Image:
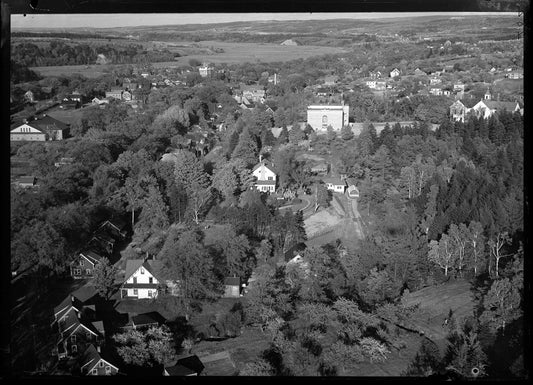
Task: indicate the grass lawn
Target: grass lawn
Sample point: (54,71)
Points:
(242,349)
(396,364)
(435,303)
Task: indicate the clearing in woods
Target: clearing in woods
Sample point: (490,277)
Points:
(435,302)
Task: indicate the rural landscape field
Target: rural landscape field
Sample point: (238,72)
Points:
(316,197)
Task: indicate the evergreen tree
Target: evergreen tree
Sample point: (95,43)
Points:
(246,149)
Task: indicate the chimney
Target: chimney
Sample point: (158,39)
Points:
(98,349)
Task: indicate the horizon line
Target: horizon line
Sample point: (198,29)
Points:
(124,20)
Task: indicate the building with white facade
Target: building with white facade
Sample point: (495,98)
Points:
(205,70)
(266,177)
(142,280)
(319,117)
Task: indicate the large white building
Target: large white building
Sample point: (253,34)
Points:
(321,116)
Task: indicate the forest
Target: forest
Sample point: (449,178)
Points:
(58,53)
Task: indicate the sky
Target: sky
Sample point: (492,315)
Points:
(130,20)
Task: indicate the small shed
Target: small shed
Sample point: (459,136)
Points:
(26,181)
(232,287)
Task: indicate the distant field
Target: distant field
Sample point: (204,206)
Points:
(233,53)
(90,71)
(253,52)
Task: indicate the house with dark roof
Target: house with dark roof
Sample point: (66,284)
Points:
(232,287)
(114,227)
(266,177)
(102,243)
(82,267)
(146,320)
(94,364)
(75,334)
(76,322)
(40,129)
(187,366)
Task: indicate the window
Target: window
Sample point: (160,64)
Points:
(88,271)
(150,280)
(77,272)
(270,178)
(88,335)
(81,262)
(150,293)
(73,338)
(101,363)
(74,348)
(135,292)
(108,369)
(142,270)
(134,279)
(94,372)
(324,119)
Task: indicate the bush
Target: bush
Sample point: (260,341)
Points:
(194,62)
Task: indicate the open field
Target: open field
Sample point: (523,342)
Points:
(435,303)
(251,52)
(320,221)
(89,71)
(69,116)
(233,53)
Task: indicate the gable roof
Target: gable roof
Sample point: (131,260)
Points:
(91,357)
(47,123)
(264,163)
(132,265)
(232,281)
(148,318)
(496,105)
(91,256)
(179,370)
(334,180)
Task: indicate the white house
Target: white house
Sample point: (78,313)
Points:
(335,184)
(487,108)
(266,177)
(141,279)
(205,70)
(395,72)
